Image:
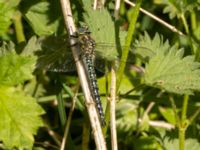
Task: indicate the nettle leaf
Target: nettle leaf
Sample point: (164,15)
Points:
(20,119)
(168,70)
(7,48)
(15,69)
(43,16)
(103,31)
(146,47)
(126,113)
(190,144)
(7,9)
(176,8)
(31,47)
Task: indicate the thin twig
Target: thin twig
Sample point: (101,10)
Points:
(112,108)
(172,28)
(149,107)
(63,145)
(54,136)
(48,145)
(175,110)
(117,6)
(83,76)
(196,113)
(160,124)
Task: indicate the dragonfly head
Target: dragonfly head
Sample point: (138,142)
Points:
(84,30)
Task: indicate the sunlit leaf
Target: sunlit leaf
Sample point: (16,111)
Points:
(176,8)
(167,69)
(168,114)
(7,48)
(190,144)
(173,73)
(15,68)
(7,9)
(126,113)
(20,119)
(146,47)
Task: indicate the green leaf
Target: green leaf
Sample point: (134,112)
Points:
(168,70)
(146,47)
(20,119)
(168,114)
(15,68)
(103,32)
(32,46)
(190,144)
(126,113)
(7,9)
(147,143)
(43,16)
(176,8)
(7,48)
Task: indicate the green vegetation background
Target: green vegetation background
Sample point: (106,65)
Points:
(35,102)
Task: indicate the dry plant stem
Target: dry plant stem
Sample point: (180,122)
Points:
(54,136)
(46,144)
(112,109)
(69,121)
(172,28)
(95,4)
(160,124)
(83,76)
(98,4)
(150,106)
(117,6)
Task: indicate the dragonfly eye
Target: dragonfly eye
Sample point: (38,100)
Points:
(84,30)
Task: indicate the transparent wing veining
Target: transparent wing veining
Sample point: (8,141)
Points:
(56,55)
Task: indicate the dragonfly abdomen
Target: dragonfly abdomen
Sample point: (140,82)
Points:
(94,87)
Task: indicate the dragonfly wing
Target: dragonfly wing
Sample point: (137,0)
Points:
(108,52)
(56,62)
(55,56)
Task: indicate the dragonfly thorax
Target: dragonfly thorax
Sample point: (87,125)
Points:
(87,44)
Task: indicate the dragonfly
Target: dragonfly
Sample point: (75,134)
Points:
(63,62)
(57,57)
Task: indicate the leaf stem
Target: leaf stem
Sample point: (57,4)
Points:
(129,38)
(184,108)
(185,23)
(196,113)
(19,27)
(61,109)
(67,126)
(181,138)
(174,109)
(183,123)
